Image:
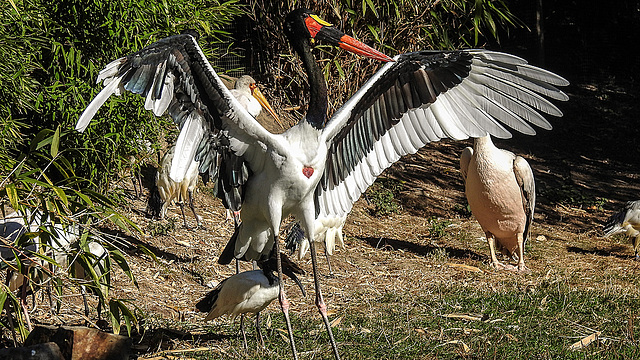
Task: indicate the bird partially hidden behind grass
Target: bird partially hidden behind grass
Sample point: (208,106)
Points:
(249,292)
(500,190)
(57,247)
(626,221)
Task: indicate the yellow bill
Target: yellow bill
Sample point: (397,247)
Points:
(265,104)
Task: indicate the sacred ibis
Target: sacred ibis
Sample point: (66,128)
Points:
(248,292)
(627,221)
(501,192)
(320,167)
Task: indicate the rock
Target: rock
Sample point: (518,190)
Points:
(44,351)
(82,343)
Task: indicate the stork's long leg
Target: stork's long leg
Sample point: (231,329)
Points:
(322,307)
(244,335)
(184,218)
(193,208)
(284,302)
(326,254)
(259,338)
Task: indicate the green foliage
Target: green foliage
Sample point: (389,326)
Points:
(162,227)
(53,191)
(437,227)
(56,49)
(512,324)
(394,27)
(570,195)
(50,56)
(382,196)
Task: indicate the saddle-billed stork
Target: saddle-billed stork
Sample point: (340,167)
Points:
(318,168)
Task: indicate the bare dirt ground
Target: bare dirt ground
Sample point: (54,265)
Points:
(585,169)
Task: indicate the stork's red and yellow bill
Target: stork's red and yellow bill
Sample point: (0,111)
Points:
(322,30)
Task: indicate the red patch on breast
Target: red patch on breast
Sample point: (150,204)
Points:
(307,171)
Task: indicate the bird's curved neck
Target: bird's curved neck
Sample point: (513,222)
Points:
(483,142)
(317,112)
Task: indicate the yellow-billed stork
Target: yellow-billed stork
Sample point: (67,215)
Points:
(320,167)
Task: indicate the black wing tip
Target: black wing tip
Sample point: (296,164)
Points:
(294,237)
(208,301)
(191,32)
(228,253)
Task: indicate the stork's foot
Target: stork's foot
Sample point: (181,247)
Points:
(522,269)
(500,266)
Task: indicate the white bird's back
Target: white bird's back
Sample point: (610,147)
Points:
(246,292)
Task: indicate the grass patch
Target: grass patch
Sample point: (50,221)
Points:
(570,195)
(162,227)
(382,195)
(540,323)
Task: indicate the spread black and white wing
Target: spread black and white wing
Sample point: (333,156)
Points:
(423,97)
(175,77)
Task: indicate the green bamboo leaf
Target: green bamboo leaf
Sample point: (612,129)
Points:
(114,315)
(4,291)
(148,252)
(375,32)
(117,256)
(61,195)
(12,194)
(41,139)
(337,63)
(13,4)
(127,315)
(46,258)
(372,7)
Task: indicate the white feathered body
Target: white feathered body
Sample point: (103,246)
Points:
(246,292)
(281,189)
(626,221)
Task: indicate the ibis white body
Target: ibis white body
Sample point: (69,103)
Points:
(243,293)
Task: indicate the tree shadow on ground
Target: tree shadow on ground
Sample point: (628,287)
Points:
(388,244)
(614,251)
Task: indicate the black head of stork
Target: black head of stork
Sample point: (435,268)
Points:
(302,28)
(317,169)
